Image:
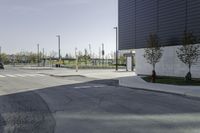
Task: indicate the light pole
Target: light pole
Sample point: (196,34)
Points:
(99,56)
(116,28)
(103,53)
(38,50)
(43,57)
(43,53)
(0,55)
(76,56)
(59,47)
(90,50)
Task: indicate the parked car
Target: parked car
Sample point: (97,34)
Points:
(1,65)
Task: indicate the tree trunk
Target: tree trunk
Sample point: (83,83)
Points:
(153,76)
(154,66)
(188,77)
(189,68)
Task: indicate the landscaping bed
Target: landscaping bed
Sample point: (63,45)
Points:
(173,80)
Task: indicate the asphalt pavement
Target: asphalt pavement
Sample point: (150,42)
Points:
(32,103)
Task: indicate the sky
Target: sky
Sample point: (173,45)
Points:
(26,23)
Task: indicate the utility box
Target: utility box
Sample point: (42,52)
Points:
(129,65)
(130,61)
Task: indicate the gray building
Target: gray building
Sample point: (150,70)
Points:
(169,19)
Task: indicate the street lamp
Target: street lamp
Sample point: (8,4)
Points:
(0,55)
(76,56)
(38,50)
(43,57)
(103,53)
(59,47)
(116,28)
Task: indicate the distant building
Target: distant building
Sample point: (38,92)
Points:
(169,19)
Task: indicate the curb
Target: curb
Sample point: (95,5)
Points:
(183,91)
(144,89)
(185,94)
(53,75)
(67,76)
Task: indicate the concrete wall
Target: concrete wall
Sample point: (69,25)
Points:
(169,65)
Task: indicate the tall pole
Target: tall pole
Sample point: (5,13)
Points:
(43,57)
(76,56)
(116,28)
(0,55)
(99,56)
(43,53)
(59,56)
(38,50)
(90,50)
(103,53)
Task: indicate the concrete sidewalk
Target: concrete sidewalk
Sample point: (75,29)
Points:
(94,73)
(137,82)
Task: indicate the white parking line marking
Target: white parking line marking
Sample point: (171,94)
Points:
(82,87)
(99,86)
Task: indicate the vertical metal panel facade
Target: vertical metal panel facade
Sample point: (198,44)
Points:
(146,17)
(126,24)
(193,19)
(171,15)
(167,18)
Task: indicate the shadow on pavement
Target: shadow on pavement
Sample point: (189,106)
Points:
(25,113)
(97,106)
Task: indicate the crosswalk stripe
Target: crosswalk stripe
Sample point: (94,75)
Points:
(21,75)
(1,76)
(9,75)
(30,75)
(40,75)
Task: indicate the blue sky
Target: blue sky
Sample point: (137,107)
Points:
(24,23)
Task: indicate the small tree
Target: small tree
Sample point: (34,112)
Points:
(85,58)
(122,59)
(188,53)
(4,58)
(153,53)
(53,54)
(32,57)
